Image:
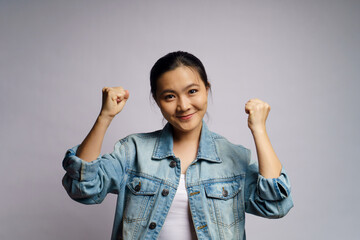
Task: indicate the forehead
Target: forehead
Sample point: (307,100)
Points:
(179,78)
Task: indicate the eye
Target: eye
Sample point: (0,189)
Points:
(192,91)
(169,97)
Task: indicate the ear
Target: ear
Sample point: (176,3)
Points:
(155,99)
(208,88)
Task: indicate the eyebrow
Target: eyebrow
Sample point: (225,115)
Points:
(172,91)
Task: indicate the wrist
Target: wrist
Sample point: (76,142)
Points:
(104,119)
(258,131)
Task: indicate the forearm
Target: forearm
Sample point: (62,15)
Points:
(90,148)
(269,163)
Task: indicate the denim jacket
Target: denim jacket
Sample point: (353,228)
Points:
(222,184)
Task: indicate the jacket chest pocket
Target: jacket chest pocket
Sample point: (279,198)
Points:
(141,194)
(225,201)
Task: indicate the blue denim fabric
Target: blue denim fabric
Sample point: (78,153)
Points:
(222,184)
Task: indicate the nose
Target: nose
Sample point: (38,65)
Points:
(183,104)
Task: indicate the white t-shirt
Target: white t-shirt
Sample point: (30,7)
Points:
(178,224)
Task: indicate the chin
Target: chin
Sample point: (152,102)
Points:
(187,126)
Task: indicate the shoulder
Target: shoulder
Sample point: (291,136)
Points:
(224,141)
(141,137)
(224,146)
(136,143)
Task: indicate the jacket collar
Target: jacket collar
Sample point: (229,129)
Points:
(206,151)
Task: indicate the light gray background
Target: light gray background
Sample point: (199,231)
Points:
(302,57)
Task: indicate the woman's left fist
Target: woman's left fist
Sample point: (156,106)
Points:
(258,112)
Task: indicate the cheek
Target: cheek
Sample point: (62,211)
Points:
(201,102)
(166,109)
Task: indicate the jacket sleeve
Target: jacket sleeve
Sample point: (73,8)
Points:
(264,197)
(90,182)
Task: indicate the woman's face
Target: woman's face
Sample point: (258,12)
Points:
(182,98)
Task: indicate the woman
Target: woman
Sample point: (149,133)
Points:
(184,181)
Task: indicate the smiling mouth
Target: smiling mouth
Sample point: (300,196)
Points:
(185,117)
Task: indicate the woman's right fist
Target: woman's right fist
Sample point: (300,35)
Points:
(113,101)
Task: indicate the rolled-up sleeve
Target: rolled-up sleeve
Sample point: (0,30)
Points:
(90,182)
(274,189)
(267,197)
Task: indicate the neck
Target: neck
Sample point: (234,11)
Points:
(192,136)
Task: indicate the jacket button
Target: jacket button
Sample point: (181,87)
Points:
(137,187)
(225,193)
(172,164)
(152,225)
(165,192)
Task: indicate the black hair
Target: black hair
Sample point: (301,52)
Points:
(172,61)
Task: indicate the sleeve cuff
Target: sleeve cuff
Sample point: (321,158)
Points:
(79,169)
(274,189)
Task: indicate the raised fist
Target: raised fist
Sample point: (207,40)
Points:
(113,101)
(258,112)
